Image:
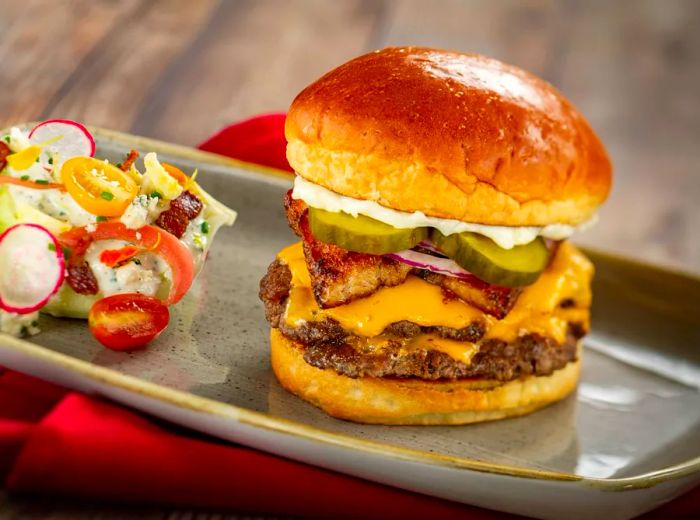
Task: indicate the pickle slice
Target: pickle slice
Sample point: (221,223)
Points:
(362,234)
(482,257)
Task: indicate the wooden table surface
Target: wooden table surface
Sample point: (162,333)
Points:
(179,70)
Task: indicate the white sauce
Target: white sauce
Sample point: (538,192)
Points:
(145,277)
(55,203)
(36,172)
(505,236)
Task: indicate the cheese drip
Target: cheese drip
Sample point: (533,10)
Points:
(537,310)
(458,350)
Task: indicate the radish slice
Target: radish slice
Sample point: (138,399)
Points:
(74,139)
(32,268)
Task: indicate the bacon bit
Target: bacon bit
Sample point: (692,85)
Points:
(173,222)
(115,257)
(131,157)
(187,204)
(4,152)
(182,209)
(81,279)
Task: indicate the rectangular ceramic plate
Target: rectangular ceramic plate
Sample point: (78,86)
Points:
(628,441)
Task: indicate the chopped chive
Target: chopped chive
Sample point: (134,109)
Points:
(156,195)
(7,139)
(41,181)
(24,331)
(205,227)
(37,160)
(35,323)
(50,160)
(119,165)
(24,177)
(101,219)
(66,252)
(106,195)
(137,261)
(52,247)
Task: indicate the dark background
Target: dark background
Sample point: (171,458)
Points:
(180,69)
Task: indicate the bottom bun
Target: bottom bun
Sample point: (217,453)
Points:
(412,401)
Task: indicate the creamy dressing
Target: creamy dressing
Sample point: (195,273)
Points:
(505,236)
(144,274)
(54,203)
(36,172)
(19,324)
(195,239)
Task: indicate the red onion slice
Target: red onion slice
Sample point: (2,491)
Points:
(427,244)
(431,263)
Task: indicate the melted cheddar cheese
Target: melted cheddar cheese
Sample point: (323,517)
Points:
(537,310)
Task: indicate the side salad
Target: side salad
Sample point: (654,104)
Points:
(81,237)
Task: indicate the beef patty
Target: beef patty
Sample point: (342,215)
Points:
(327,345)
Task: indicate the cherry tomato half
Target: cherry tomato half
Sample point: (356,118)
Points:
(100,188)
(128,321)
(165,245)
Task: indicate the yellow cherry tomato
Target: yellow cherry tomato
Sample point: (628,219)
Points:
(100,188)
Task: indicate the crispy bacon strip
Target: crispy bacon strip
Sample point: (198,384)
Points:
(492,299)
(339,276)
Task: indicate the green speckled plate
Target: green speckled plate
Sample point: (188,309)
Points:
(628,441)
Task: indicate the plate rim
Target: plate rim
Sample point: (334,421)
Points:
(270,422)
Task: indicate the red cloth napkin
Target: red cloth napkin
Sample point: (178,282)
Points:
(54,441)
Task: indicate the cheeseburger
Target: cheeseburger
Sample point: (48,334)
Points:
(433,282)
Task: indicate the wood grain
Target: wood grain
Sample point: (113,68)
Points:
(111,85)
(178,70)
(252,57)
(43,44)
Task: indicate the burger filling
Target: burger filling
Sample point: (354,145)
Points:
(372,315)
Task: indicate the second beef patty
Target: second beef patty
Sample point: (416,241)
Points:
(327,345)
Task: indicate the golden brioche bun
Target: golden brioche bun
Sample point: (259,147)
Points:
(395,401)
(453,135)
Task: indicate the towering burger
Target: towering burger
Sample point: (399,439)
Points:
(433,282)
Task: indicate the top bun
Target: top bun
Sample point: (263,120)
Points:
(453,135)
